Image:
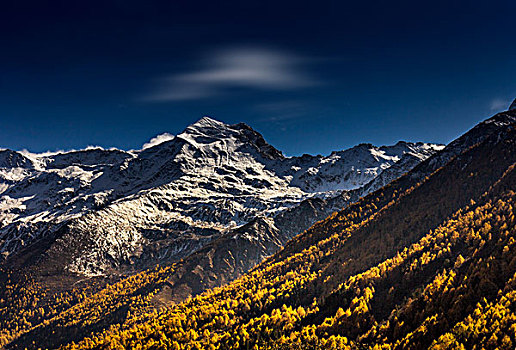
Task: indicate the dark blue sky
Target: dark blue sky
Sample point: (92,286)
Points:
(310,76)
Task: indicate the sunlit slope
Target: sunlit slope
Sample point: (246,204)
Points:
(432,265)
(45,303)
(34,317)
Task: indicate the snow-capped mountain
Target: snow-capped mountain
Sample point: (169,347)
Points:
(230,255)
(101,210)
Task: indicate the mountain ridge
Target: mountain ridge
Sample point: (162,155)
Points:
(423,262)
(343,282)
(207,179)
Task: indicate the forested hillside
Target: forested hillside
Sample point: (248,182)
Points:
(424,262)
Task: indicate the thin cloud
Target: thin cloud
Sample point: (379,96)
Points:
(157,140)
(499,104)
(251,68)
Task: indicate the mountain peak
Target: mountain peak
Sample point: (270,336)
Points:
(207,121)
(207,132)
(513,105)
(206,126)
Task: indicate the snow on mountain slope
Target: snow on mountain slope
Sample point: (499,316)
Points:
(407,161)
(114,208)
(352,168)
(11,159)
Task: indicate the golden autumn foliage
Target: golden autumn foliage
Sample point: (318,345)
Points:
(412,266)
(242,315)
(451,287)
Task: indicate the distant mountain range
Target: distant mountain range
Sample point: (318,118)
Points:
(404,246)
(104,212)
